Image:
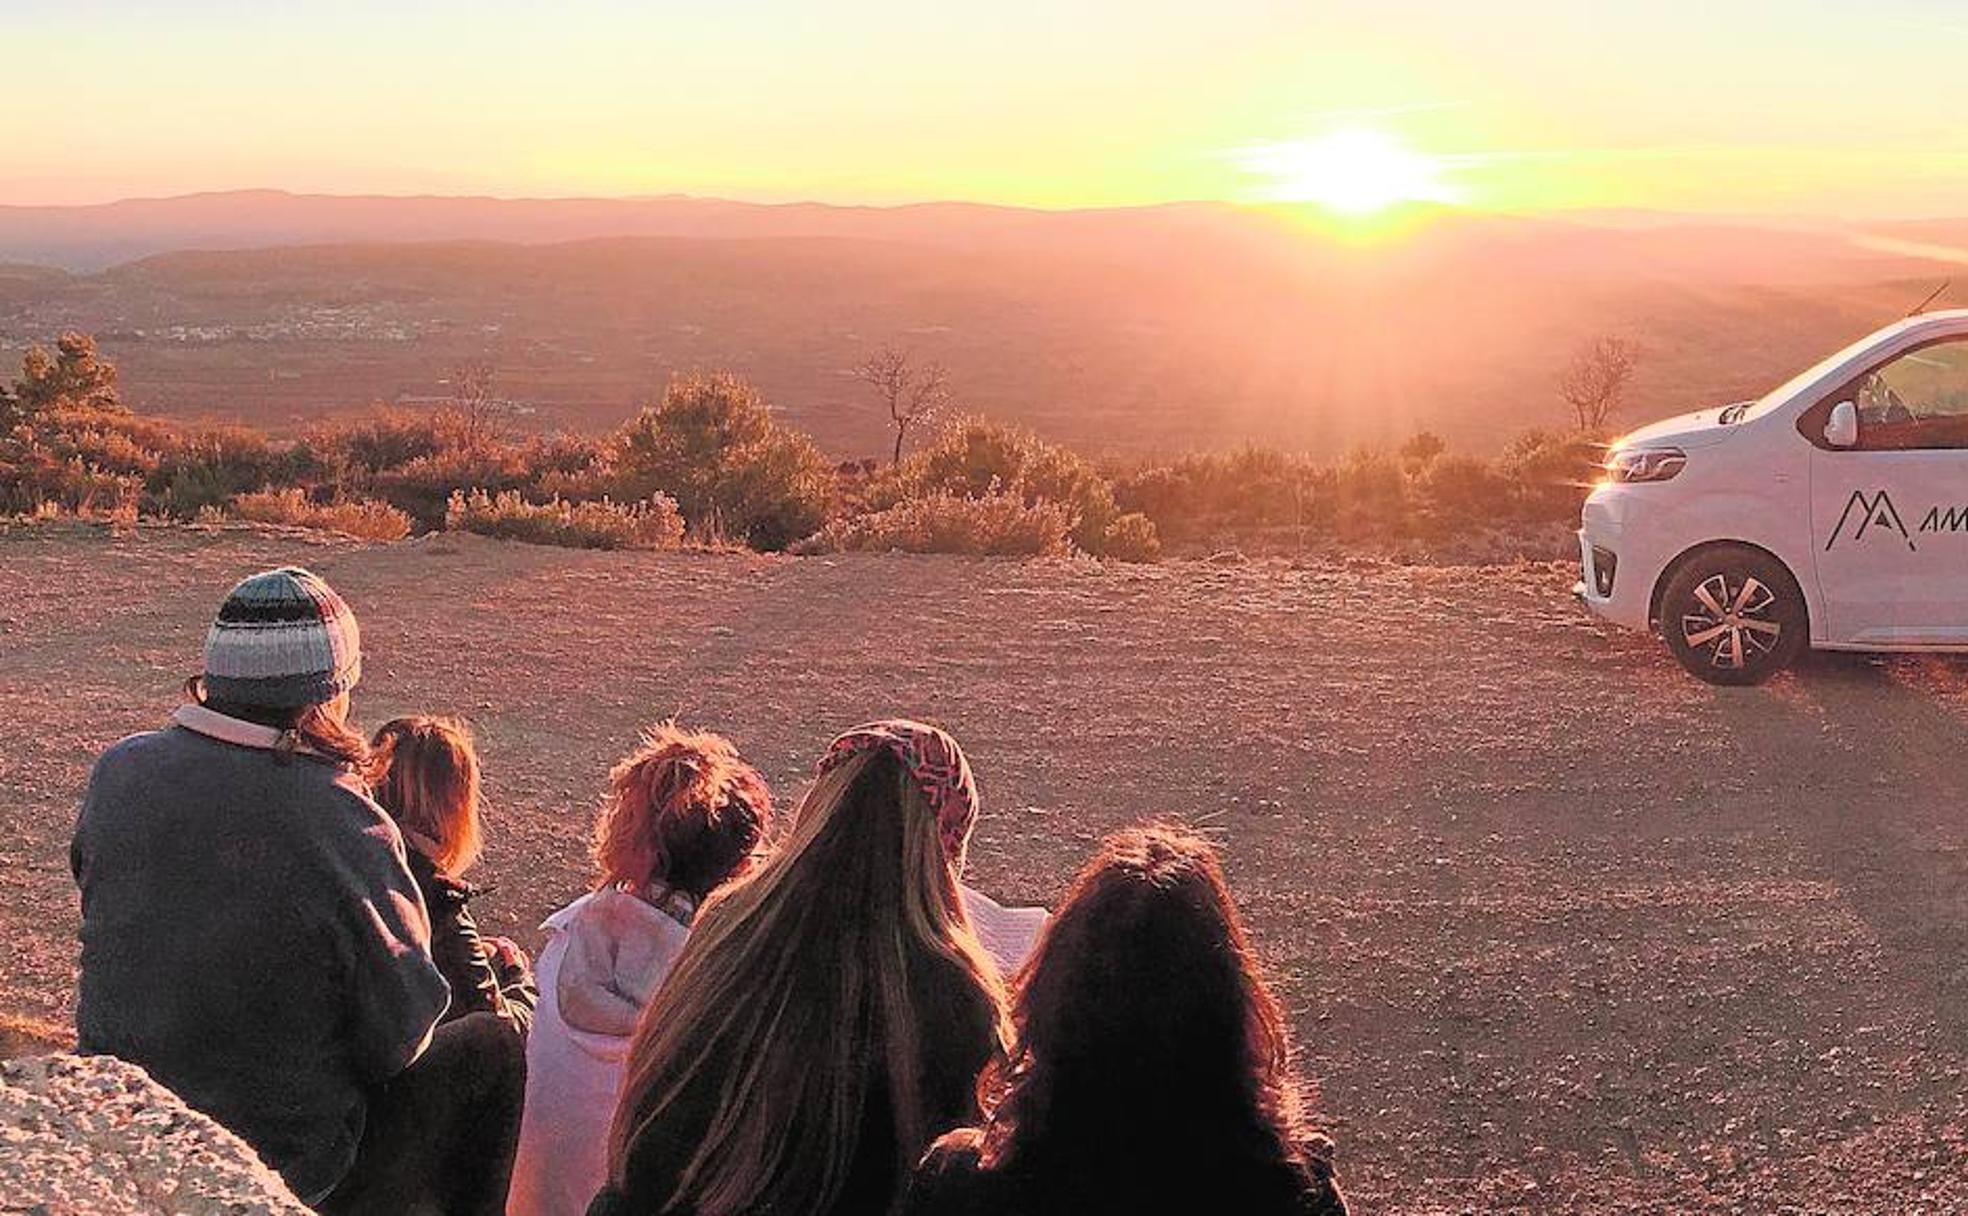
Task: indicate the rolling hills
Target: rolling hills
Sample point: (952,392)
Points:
(1141,330)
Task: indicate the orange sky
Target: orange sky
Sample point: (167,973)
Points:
(1801,107)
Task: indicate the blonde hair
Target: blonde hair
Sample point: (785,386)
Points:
(426,776)
(798,984)
(683,813)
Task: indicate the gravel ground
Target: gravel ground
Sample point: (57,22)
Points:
(1560,929)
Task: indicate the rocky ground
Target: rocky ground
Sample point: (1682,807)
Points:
(97,1137)
(1559,929)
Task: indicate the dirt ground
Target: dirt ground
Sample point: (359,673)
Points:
(1559,929)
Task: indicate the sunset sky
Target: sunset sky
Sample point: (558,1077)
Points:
(1805,106)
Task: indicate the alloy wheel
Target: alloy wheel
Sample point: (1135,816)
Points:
(1731,622)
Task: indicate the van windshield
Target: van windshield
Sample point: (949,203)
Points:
(1804,379)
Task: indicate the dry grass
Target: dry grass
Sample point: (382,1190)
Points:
(990,525)
(360,518)
(650,524)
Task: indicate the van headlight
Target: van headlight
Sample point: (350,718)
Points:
(1645,464)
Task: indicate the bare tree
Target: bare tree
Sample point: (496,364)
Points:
(471,396)
(912,394)
(1595,382)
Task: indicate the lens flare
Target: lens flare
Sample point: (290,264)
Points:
(1354,172)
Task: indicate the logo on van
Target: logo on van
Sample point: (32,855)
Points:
(1873,511)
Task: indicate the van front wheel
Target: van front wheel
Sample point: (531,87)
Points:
(1734,615)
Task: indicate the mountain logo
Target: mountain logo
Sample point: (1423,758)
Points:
(1872,511)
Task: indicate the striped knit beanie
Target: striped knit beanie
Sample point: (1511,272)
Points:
(283,640)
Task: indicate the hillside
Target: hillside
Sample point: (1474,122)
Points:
(1144,330)
(1707,961)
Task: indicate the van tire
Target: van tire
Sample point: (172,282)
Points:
(1733,615)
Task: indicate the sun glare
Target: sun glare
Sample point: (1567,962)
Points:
(1354,172)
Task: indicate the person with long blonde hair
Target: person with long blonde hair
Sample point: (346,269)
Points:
(425,772)
(830,1015)
(684,815)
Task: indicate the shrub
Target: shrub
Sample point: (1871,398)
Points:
(209,468)
(354,517)
(653,523)
(993,525)
(976,458)
(74,375)
(1461,492)
(713,444)
(1132,538)
(1205,495)
(33,477)
(381,439)
(1422,448)
(1371,489)
(423,485)
(1551,473)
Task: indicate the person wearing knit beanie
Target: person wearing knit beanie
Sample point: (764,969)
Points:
(283,639)
(253,937)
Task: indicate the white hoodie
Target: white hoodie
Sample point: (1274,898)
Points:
(605,955)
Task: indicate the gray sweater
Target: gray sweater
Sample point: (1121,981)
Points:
(251,937)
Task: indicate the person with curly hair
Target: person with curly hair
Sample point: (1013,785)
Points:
(684,815)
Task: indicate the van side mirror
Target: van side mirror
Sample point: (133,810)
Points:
(1842,428)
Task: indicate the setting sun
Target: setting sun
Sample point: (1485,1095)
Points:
(1355,172)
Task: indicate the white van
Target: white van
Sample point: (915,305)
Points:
(1831,513)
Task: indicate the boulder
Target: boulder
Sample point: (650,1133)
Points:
(93,1135)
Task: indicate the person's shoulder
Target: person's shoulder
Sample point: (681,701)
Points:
(135,749)
(333,815)
(340,792)
(434,881)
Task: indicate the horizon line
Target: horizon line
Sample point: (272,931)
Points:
(283,192)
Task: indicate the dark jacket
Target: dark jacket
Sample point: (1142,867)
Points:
(953,1181)
(479,982)
(251,936)
(951,1065)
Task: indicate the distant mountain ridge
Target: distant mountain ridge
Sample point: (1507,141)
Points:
(1137,329)
(97,236)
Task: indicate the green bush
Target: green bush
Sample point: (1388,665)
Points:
(34,477)
(712,458)
(713,445)
(1205,496)
(976,458)
(1371,493)
(1132,538)
(208,468)
(423,485)
(653,523)
(353,517)
(1552,472)
(991,525)
(1461,493)
(375,441)
(75,375)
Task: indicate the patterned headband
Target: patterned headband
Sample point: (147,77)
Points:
(933,759)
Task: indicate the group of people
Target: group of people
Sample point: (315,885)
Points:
(740,1016)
